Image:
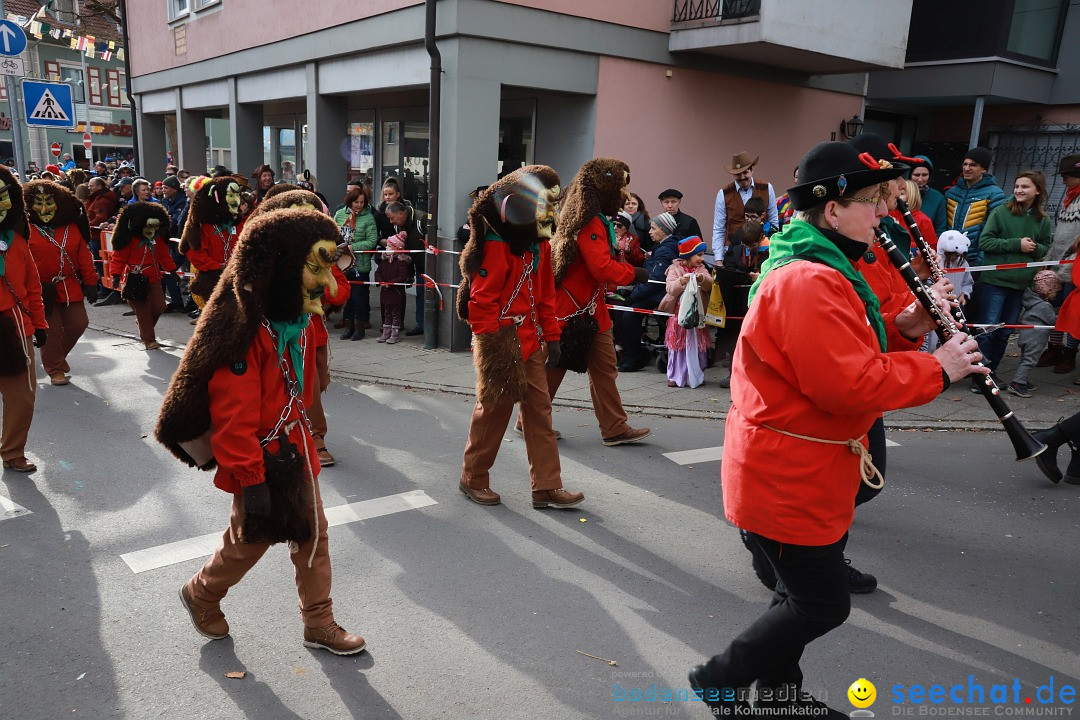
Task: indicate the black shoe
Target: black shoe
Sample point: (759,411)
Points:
(415,331)
(725,382)
(1052,438)
(631,364)
(859,583)
(190,307)
(976,383)
(358,334)
(348,334)
(194,313)
(713,691)
(113,298)
(174,308)
(129,313)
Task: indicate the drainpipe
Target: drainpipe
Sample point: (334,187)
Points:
(127,74)
(431,308)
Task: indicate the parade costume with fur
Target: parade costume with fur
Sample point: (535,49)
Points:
(140,255)
(508,299)
(241,393)
(60,243)
(584,255)
(22,317)
(210,233)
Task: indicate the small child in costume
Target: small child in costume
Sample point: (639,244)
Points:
(686,346)
(1036,309)
(395,266)
(952,247)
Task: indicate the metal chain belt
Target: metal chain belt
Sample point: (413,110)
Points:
(291,384)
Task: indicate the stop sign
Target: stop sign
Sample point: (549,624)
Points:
(55,148)
(87,141)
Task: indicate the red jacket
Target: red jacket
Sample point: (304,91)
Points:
(491,288)
(51,263)
(893,294)
(318,322)
(1069,315)
(21,272)
(814,369)
(100,207)
(216,247)
(924,223)
(593,270)
(246,400)
(137,257)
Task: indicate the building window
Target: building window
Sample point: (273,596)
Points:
(112,88)
(74,76)
(95,85)
(1035,28)
(179,8)
(62,10)
(200,4)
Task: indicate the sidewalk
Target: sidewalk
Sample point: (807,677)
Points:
(408,365)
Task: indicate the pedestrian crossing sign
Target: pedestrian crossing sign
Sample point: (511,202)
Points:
(48,104)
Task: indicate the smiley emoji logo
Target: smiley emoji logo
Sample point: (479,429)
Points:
(862,693)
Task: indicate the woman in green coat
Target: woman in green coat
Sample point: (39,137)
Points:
(1017,231)
(357,225)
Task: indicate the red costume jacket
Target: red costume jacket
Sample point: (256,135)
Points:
(815,369)
(318,322)
(246,400)
(76,266)
(924,223)
(893,294)
(593,270)
(1069,315)
(216,247)
(100,207)
(491,288)
(22,273)
(137,257)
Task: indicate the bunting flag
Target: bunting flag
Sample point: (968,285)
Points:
(56,33)
(80,43)
(90,51)
(35,29)
(107,55)
(67,32)
(112,45)
(120,54)
(74,43)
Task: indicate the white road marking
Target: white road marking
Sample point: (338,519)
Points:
(709,454)
(689,457)
(9,509)
(196,547)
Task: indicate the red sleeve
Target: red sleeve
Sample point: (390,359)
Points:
(162,255)
(545,305)
(87,272)
(344,289)
(118,260)
(486,288)
(595,249)
(926,227)
(235,406)
(32,282)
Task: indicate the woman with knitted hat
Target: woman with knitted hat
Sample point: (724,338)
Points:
(686,346)
(809,378)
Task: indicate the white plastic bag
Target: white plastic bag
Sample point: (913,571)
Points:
(690,315)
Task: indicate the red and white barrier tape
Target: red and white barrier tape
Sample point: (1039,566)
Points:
(1012,266)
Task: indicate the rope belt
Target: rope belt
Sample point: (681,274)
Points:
(867,471)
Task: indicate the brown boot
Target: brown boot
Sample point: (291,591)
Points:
(480,496)
(365,324)
(325,458)
(1067,363)
(1050,357)
(342,323)
(334,638)
(557,498)
(208,621)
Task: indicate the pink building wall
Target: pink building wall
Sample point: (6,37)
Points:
(239,25)
(646,14)
(680,131)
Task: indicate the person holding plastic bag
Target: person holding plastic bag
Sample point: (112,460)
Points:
(688,288)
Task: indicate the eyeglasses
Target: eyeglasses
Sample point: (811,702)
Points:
(872,200)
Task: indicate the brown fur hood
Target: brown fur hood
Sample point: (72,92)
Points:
(207,206)
(599,188)
(132,220)
(16,217)
(262,280)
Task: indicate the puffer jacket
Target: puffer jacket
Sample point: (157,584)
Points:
(967,209)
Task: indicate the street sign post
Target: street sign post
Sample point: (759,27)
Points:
(48,104)
(88,142)
(12,66)
(55,149)
(12,38)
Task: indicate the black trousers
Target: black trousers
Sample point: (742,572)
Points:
(811,599)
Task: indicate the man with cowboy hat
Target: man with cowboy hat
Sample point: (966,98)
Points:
(728,214)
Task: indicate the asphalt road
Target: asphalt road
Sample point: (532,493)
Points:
(474,612)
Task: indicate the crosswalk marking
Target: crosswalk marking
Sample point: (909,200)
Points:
(171,553)
(709,454)
(9,509)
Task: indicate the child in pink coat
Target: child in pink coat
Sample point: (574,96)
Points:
(686,346)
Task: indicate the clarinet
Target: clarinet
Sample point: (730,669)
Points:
(930,257)
(1024,443)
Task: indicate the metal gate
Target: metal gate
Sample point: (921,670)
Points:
(1033,147)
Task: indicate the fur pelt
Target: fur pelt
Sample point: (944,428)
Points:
(207,206)
(287,199)
(263,279)
(277,189)
(16,217)
(290,515)
(500,369)
(68,208)
(132,220)
(599,188)
(513,196)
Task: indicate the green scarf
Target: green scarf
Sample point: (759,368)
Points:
(610,226)
(6,237)
(288,334)
(534,248)
(802,239)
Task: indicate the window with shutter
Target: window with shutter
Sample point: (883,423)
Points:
(52,71)
(112,87)
(95,85)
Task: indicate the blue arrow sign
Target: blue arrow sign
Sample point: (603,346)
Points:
(48,104)
(12,38)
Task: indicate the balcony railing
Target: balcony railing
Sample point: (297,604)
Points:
(689,10)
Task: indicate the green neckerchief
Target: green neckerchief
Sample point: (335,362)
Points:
(534,248)
(6,237)
(288,334)
(802,239)
(225,228)
(610,226)
(143,242)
